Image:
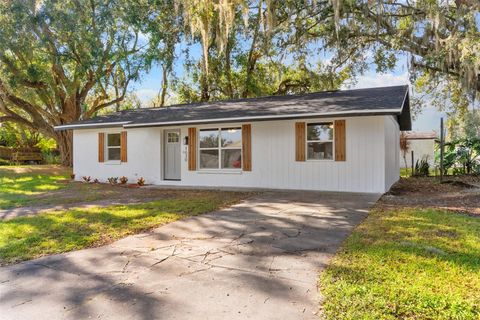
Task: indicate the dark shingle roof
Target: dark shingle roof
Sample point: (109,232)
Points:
(373,101)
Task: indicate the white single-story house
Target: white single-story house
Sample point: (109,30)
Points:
(423,146)
(333,141)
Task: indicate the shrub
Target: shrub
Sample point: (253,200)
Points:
(72,176)
(462,155)
(123,180)
(96,181)
(86,179)
(113,180)
(4,162)
(141,181)
(51,157)
(422,167)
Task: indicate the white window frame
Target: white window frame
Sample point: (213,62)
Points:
(107,147)
(219,148)
(332,141)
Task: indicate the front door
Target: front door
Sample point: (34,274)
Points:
(172,155)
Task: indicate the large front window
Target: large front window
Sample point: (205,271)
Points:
(113,146)
(220,148)
(320,141)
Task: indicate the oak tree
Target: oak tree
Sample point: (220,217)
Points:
(61,61)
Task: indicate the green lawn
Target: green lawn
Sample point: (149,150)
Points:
(406,264)
(54,232)
(19,188)
(407,172)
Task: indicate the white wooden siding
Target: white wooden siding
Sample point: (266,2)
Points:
(273,159)
(392,152)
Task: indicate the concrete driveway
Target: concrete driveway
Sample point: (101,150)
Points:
(256,260)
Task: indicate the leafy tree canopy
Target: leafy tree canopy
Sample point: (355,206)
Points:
(61,61)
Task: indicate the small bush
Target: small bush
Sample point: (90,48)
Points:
(51,157)
(96,181)
(123,180)
(422,168)
(113,180)
(72,176)
(86,179)
(141,181)
(4,162)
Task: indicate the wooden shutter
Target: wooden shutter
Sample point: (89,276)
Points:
(300,141)
(247,147)
(192,149)
(123,146)
(101,147)
(340,140)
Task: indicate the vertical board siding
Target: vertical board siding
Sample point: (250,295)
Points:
(101,147)
(392,152)
(340,140)
(192,149)
(247,147)
(123,146)
(300,141)
(273,164)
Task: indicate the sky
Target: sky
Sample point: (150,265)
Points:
(428,120)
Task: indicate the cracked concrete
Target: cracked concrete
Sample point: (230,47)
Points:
(259,259)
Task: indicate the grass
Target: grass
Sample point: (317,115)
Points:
(46,185)
(407,172)
(20,186)
(406,264)
(55,232)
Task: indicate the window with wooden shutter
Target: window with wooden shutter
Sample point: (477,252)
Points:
(192,149)
(123,146)
(101,147)
(320,141)
(340,140)
(247,147)
(300,141)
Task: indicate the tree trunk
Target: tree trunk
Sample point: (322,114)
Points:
(164,86)
(252,57)
(205,94)
(228,68)
(64,141)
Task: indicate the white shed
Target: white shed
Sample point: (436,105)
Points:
(423,146)
(332,141)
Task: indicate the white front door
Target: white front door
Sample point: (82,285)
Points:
(171,155)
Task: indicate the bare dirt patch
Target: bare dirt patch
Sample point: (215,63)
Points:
(29,190)
(39,169)
(459,193)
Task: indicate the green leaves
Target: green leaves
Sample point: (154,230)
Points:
(65,60)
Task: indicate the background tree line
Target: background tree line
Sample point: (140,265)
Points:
(62,61)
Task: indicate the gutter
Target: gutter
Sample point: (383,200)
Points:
(90,125)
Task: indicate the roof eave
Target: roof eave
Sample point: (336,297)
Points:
(90,125)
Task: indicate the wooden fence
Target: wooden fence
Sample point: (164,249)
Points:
(21,155)
(6,153)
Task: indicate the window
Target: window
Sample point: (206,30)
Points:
(220,148)
(113,146)
(173,137)
(320,141)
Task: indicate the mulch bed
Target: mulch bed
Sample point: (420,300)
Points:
(459,193)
